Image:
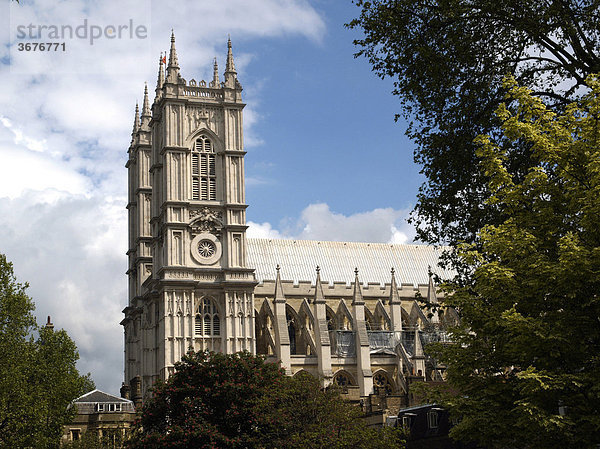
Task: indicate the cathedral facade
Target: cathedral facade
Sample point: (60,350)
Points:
(344,312)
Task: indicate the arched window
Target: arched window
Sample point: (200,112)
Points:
(204,180)
(382,384)
(207,322)
(342,379)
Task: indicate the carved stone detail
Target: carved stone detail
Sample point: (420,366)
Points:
(206,220)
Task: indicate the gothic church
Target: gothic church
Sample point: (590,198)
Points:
(344,312)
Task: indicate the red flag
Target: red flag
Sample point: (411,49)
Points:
(164,59)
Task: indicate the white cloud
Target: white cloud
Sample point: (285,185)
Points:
(318,222)
(262,231)
(71,252)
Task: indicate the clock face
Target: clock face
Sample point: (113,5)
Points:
(206,248)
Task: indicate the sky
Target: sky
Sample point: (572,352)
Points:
(325,158)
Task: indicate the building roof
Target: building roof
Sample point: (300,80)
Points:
(99,396)
(299,258)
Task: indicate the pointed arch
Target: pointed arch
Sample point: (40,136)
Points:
(203,164)
(417,315)
(294,330)
(343,378)
(344,317)
(306,320)
(309,319)
(370,320)
(207,319)
(405,317)
(259,333)
(382,318)
(331,318)
(269,315)
(203,130)
(302,372)
(383,383)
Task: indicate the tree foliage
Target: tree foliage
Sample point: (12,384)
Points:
(114,439)
(447,59)
(38,376)
(526,358)
(215,400)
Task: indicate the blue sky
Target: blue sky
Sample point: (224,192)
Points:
(325,159)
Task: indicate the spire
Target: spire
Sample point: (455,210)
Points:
(136,119)
(319,296)
(394,298)
(230,67)
(49,324)
(279,296)
(215,83)
(173,67)
(230,73)
(146,116)
(357,298)
(161,74)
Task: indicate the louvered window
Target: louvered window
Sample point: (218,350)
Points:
(204,182)
(198,325)
(207,321)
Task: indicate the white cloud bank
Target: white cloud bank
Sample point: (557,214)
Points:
(318,222)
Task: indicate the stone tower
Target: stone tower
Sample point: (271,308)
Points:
(189,283)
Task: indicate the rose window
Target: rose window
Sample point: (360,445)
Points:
(206,248)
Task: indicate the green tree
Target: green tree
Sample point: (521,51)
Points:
(215,400)
(38,377)
(447,59)
(526,358)
(91,440)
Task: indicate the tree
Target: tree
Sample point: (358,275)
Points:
(91,440)
(38,377)
(447,59)
(215,400)
(525,358)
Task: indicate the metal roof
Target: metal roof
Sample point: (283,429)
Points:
(299,258)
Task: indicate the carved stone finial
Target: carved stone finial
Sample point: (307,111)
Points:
(356,271)
(277,268)
(318,269)
(393,271)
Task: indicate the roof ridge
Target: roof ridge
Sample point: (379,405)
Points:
(419,245)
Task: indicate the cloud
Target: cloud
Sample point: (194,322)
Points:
(262,231)
(71,251)
(318,222)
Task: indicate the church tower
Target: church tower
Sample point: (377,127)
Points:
(189,283)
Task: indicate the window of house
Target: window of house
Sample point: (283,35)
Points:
(432,419)
(204,179)
(99,407)
(75,434)
(207,322)
(406,421)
